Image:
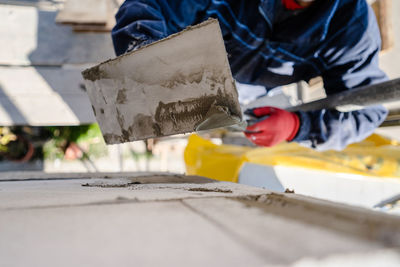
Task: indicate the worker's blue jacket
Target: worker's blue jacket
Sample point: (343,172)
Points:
(268,45)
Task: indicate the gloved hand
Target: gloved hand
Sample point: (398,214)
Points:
(279,125)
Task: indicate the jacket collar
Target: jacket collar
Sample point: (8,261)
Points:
(310,26)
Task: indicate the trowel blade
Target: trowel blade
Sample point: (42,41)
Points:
(239,127)
(242,125)
(168,87)
(217,117)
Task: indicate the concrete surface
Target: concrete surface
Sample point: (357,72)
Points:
(50,192)
(40,66)
(168,220)
(30,37)
(392,132)
(84,12)
(389,61)
(45,96)
(168,87)
(365,191)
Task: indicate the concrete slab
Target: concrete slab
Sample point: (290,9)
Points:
(40,175)
(168,87)
(175,220)
(339,187)
(389,61)
(41,81)
(392,132)
(50,58)
(135,234)
(30,36)
(84,12)
(66,192)
(276,238)
(45,96)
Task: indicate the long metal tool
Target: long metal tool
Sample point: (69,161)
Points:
(375,94)
(359,98)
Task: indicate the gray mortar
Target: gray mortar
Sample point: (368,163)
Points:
(94,74)
(212,109)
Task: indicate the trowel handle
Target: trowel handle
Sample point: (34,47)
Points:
(252,121)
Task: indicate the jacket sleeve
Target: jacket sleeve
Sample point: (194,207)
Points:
(140,22)
(350,58)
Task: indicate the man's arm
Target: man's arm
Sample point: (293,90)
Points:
(351,60)
(140,22)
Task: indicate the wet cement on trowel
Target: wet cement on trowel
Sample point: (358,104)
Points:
(206,112)
(199,109)
(95,73)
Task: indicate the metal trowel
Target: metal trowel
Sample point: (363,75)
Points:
(180,84)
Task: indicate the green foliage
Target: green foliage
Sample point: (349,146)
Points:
(75,133)
(6,138)
(88,136)
(52,150)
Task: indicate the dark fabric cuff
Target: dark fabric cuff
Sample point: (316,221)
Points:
(134,45)
(305,127)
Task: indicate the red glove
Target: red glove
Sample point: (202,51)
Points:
(279,125)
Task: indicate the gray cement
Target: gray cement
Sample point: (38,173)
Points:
(173,220)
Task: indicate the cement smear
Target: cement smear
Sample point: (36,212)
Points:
(214,190)
(94,74)
(209,111)
(203,113)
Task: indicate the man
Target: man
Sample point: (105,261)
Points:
(274,43)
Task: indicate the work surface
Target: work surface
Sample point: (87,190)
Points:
(170,220)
